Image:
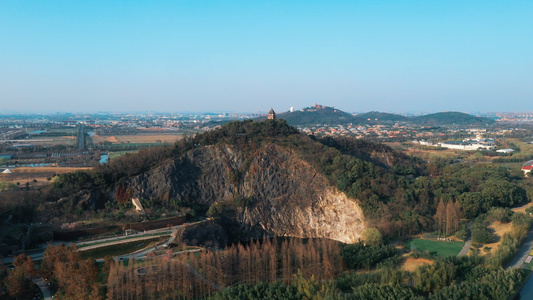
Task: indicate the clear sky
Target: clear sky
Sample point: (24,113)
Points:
(248,56)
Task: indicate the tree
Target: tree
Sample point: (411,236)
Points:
(17,284)
(452,218)
(440,216)
(74,276)
(371,236)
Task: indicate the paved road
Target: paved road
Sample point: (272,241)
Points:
(109,241)
(468,241)
(43,287)
(105,241)
(523,251)
(126,237)
(121,241)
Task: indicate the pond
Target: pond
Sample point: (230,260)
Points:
(37,132)
(104,158)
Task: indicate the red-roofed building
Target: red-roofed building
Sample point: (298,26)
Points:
(526,167)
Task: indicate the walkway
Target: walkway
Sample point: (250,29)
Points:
(43,287)
(468,241)
(518,259)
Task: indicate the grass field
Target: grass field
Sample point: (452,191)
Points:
(439,248)
(119,153)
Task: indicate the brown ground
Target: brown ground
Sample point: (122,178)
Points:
(523,208)
(40,174)
(499,230)
(148,138)
(60,140)
(410,264)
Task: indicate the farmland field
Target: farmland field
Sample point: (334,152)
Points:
(138,138)
(39,174)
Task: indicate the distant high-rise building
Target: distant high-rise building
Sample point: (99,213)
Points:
(271,114)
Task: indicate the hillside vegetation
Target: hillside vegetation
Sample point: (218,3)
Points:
(236,172)
(448,118)
(376,116)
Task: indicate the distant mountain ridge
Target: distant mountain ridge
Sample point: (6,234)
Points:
(327,115)
(376,116)
(451,117)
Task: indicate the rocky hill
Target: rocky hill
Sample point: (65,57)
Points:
(273,192)
(257,178)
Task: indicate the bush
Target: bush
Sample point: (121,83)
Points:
(461,233)
(482,235)
(360,256)
(499,214)
(529,210)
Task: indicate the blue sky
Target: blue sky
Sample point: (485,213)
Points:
(248,56)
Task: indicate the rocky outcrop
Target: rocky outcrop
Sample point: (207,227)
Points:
(271,190)
(208,234)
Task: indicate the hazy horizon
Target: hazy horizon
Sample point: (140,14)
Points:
(211,56)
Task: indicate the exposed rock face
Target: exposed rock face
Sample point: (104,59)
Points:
(206,235)
(285,195)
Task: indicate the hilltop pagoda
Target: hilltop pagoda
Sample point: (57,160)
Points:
(271,114)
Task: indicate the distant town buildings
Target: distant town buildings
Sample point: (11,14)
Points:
(467,144)
(505,151)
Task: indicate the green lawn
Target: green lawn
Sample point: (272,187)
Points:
(439,248)
(528,266)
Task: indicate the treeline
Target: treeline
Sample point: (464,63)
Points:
(448,217)
(69,274)
(511,241)
(196,275)
(446,278)
(271,268)
(62,268)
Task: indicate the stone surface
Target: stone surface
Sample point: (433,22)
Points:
(280,194)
